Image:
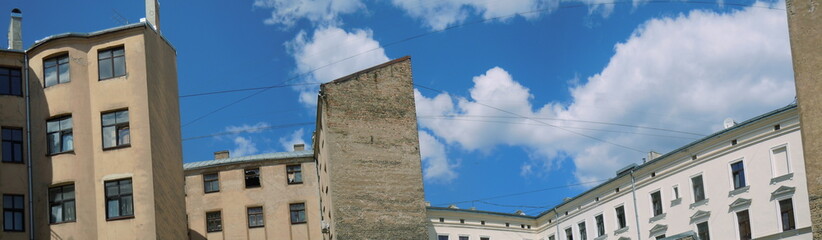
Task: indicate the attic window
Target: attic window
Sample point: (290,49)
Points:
(462,221)
(442,219)
(482,222)
(693,157)
(733,142)
(597,199)
(777,127)
(653,174)
(616,190)
(522,225)
(507,224)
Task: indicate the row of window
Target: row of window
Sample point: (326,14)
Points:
(256,216)
(211,181)
(111,63)
(445,237)
(62,208)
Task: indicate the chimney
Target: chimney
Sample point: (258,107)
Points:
(221,154)
(15,30)
(299,147)
(153,13)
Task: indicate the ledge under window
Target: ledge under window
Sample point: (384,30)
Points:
(120,218)
(676,202)
(700,203)
(778,179)
(604,236)
(621,230)
(59,153)
(657,217)
(739,190)
(117,147)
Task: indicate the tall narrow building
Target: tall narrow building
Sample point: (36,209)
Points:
(368,158)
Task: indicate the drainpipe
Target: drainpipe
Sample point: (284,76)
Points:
(556,235)
(636,212)
(28,145)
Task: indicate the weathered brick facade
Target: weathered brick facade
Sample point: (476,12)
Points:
(805,25)
(367,147)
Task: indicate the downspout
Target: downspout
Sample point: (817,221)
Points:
(28,145)
(556,235)
(636,212)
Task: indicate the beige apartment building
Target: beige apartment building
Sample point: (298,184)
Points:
(266,196)
(91,136)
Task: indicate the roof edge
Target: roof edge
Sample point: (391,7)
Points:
(381,65)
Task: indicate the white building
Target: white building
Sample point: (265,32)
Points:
(744,182)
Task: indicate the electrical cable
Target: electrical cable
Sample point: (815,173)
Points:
(249,130)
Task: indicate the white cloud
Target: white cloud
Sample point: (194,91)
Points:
(324,12)
(436,166)
(687,72)
(295,138)
(244,146)
(440,14)
(320,54)
(245,128)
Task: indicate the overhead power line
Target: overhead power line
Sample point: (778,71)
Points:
(248,89)
(523,193)
(247,130)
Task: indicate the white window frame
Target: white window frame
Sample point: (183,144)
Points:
(565,230)
(779,211)
(616,218)
(675,192)
(661,201)
(604,226)
(731,173)
(736,221)
(704,188)
(787,158)
(696,227)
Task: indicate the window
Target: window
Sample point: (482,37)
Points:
(656,201)
(781,166)
(738,174)
(488,238)
(60,138)
(702,231)
(442,219)
(115,129)
(442,237)
(463,237)
(255,217)
(620,214)
(699,190)
(551,237)
(252,178)
(214,221)
(61,203)
(13,213)
(786,214)
(297,213)
(111,63)
(12,147)
(676,192)
(660,236)
(211,182)
(56,70)
(600,225)
(777,127)
(10,82)
(119,200)
(733,142)
(744,222)
(569,235)
(583,233)
(482,222)
(462,221)
(294,173)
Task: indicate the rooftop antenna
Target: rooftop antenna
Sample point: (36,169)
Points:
(119,17)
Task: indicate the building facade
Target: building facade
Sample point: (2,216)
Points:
(744,182)
(91,136)
(266,196)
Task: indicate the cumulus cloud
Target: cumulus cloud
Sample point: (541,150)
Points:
(436,167)
(295,138)
(324,12)
(440,14)
(686,72)
(320,53)
(245,128)
(243,146)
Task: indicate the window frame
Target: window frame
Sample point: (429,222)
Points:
(12,142)
(57,58)
(569,233)
(62,134)
(707,230)
(11,77)
(733,172)
(654,213)
(62,202)
(119,198)
(675,191)
(582,229)
(15,211)
(111,58)
(206,182)
(781,212)
(599,219)
(118,126)
(291,212)
(622,222)
(702,188)
(774,164)
(218,220)
(739,224)
(246,177)
(289,169)
(261,215)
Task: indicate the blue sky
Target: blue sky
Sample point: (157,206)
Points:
(536,95)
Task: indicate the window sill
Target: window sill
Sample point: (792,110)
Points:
(60,223)
(262,226)
(204,192)
(59,153)
(782,178)
(699,203)
(21,163)
(621,230)
(215,231)
(117,147)
(657,218)
(676,202)
(252,187)
(297,223)
(604,236)
(120,218)
(112,78)
(739,191)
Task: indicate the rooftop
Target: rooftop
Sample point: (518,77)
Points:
(248,159)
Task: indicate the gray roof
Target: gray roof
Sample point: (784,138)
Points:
(248,159)
(42,41)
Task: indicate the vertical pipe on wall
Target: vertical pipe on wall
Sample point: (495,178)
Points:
(636,212)
(28,145)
